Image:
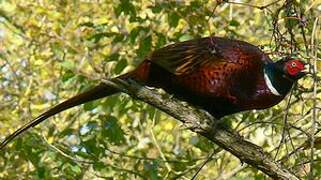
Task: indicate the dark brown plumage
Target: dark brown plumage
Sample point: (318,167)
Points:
(219,75)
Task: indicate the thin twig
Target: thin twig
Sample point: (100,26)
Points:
(285,125)
(254,6)
(203,164)
(314,110)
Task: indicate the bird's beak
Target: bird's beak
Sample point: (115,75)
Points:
(307,68)
(305,71)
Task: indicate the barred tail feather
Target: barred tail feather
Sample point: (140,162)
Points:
(100,91)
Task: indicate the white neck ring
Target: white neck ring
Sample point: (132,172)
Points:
(270,85)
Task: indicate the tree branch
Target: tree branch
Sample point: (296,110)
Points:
(204,124)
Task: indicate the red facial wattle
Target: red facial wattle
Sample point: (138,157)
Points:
(294,67)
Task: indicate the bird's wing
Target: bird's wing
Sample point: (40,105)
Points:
(184,57)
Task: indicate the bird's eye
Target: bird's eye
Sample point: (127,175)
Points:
(293,64)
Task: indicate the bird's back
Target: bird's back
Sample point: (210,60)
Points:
(218,74)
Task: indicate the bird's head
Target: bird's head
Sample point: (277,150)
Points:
(282,74)
(292,68)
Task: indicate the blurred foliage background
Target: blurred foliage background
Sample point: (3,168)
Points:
(52,50)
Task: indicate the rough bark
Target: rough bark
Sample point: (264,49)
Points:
(205,125)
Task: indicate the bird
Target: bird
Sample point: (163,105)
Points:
(219,75)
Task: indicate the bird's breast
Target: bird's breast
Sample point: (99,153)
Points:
(220,88)
(263,97)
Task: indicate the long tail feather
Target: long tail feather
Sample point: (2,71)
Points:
(97,92)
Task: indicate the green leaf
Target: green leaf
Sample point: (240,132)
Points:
(92,147)
(120,66)
(87,24)
(125,7)
(157,8)
(145,46)
(135,32)
(118,38)
(69,65)
(97,37)
(90,105)
(67,76)
(161,40)
(259,177)
(113,131)
(41,172)
(234,23)
(76,169)
(112,57)
(99,166)
(152,170)
(185,37)
(173,19)
(291,22)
